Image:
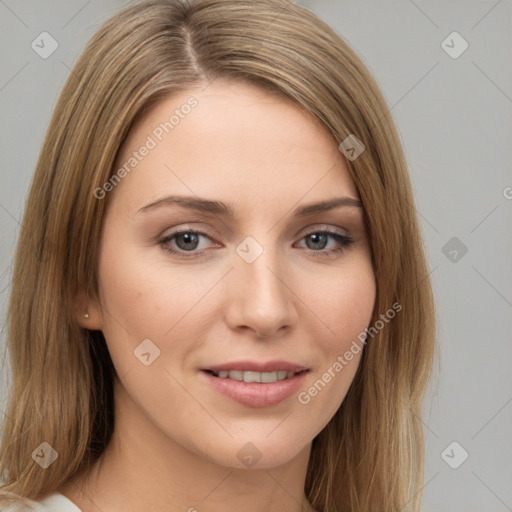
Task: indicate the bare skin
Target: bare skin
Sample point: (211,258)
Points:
(177,439)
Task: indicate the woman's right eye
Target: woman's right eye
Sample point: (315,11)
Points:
(184,241)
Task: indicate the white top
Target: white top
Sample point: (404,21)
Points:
(55,502)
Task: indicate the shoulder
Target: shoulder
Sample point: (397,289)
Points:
(55,502)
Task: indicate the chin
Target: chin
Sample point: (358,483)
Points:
(260,451)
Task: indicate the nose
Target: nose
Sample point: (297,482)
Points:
(261,297)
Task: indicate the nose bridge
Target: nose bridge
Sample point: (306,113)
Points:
(261,298)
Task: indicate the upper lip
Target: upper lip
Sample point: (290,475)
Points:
(255,366)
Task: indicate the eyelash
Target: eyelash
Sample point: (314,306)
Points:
(343,241)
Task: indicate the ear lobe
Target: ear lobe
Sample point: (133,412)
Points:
(88,313)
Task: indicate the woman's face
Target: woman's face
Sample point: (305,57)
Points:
(212,258)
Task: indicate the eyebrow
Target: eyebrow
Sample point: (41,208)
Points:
(225,210)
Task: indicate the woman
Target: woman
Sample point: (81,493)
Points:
(220,296)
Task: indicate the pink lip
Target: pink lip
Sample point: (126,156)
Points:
(254,366)
(256,394)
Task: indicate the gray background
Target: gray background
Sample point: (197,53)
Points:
(454,117)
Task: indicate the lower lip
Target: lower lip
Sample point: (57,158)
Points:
(257,394)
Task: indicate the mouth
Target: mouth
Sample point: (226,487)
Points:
(253,388)
(253,376)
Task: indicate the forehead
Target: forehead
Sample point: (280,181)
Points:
(232,139)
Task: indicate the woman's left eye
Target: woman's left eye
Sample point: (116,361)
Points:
(321,238)
(188,241)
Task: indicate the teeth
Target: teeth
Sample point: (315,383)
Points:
(269,377)
(252,377)
(255,376)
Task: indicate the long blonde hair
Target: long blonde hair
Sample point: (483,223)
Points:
(370,456)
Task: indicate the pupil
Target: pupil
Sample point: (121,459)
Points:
(189,238)
(320,238)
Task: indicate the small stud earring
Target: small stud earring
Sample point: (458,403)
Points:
(86,315)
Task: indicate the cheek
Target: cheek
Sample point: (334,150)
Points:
(146,300)
(343,304)
(351,315)
(345,309)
